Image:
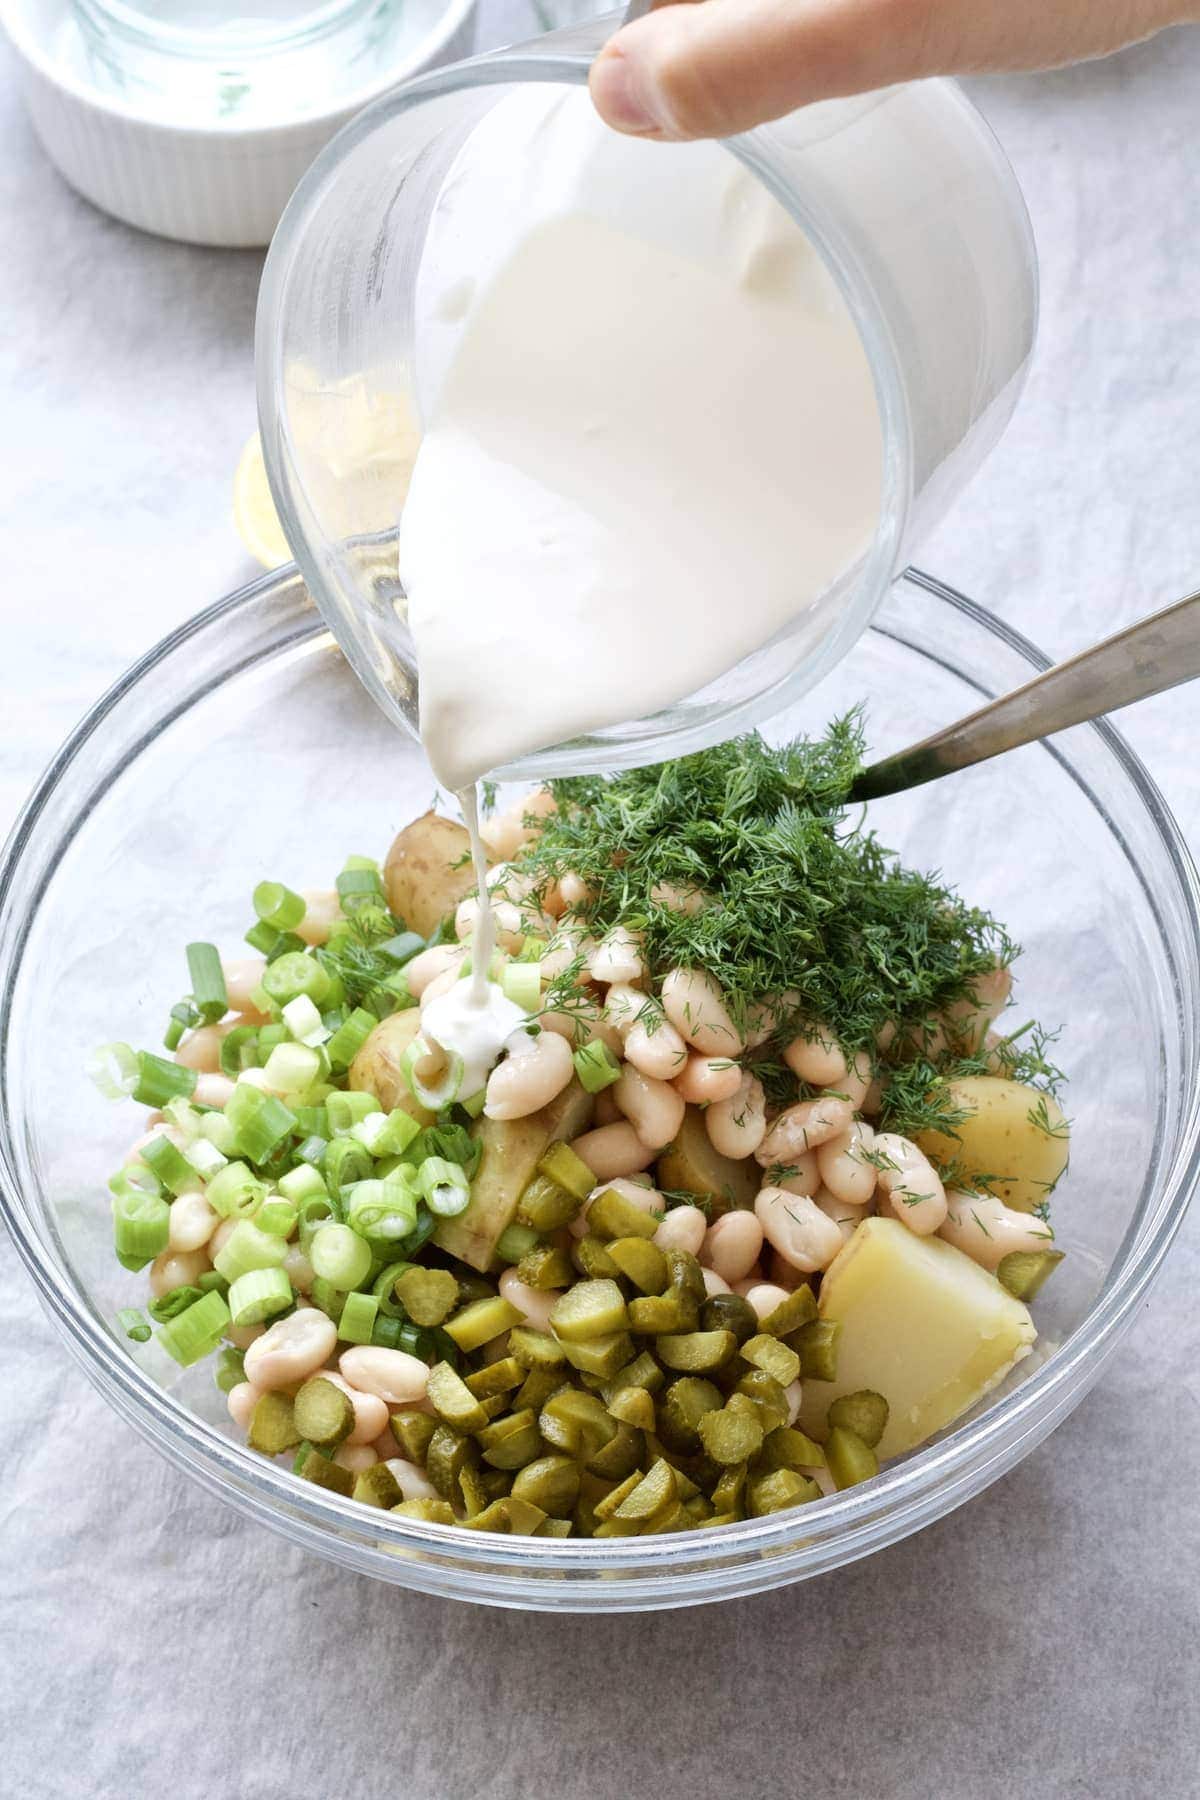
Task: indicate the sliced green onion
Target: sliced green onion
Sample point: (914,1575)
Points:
(313,1121)
(211,1282)
(183,1017)
(277,1217)
(421,1232)
(239,1050)
(278,905)
(159,1081)
(141,1225)
(358,1318)
(385,1210)
(596,1066)
(231,1369)
(197,1331)
(301,1184)
(248,1248)
(205,1158)
(215,1127)
(410,1339)
(294,974)
(305,1022)
(169,1164)
(346,1109)
(444,1187)
(386,1331)
(533,948)
(383,1290)
(474,1104)
(516,1241)
(293,1068)
(208,982)
(133,1324)
(359,885)
(521,982)
(339,1256)
(349,1037)
(234,1192)
(397,987)
(269,1038)
(185,1117)
(259,1294)
(312,1150)
(310,1216)
(260,1121)
(439,1093)
(114,1070)
(402,948)
(170,1305)
(344,1163)
(135,1180)
(330,1299)
(386,1134)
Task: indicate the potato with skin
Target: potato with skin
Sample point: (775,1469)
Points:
(376,1068)
(692,1165)
(1015,1136)
(428,871)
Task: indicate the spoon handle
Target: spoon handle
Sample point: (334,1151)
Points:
(1147,658)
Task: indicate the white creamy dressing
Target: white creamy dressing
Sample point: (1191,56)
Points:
(651,441)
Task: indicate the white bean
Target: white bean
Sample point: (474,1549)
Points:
(298,1269)
(705,1079)
(574,892)
(358,1458)
(242,1336)
(529,1078)
(613,1150)
(988,1231)
(736,1126)
(689,900)
(212,1090)
(764,1296)
(241,978)
(569,947)
(766,1016)
(507,882)
(392,1374)
(619,958)
(201,1049)
(968,1019)
(655,1047)
(606,1111)
(855,1084)
(846,1218)
(682,1229)
(511,929)
(241,1401)
(177,1268)
(322,910)
(535,1303)
(222,1235)
(697,1009)
(505,833)
(910,1183)
(844,1166)
(428,965)
(733,1244)
(783,1273)
(291,1349)
(370,1412)
(581,1025)
(191,1224)
(413,1483)
(652,1107)
(800,1175)
(793,1393)
(714,1284)
(805,1126)
(642,1195)
(815,1056)
(797,1229)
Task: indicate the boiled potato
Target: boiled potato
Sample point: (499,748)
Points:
(512,1149)
(692,1165)
(425,874)
(922,1325)
(376,1068)
(1012,1133)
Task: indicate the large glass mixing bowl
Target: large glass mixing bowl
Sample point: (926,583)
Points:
(242,747)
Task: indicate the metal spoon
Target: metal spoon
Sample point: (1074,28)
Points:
(1148,658)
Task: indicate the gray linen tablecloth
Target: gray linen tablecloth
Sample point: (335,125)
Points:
(1042,1641)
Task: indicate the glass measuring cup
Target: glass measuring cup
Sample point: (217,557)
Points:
(904,194)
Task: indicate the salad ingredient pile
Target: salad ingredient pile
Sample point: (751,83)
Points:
(746,1193)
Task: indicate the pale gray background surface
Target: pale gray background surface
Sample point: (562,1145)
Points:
(1041,1642)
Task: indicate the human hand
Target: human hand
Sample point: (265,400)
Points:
(716,67)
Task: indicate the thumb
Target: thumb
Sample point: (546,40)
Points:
(722,66)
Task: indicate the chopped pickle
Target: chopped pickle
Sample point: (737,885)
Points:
(642,1372)
(921,1323)
(519,1518)
(633,1406)
(546,1267)
(561,1164)
(482,1321)
(555,1528)
(682,1406)
(324,1412)
(653,1314)
(590,1309)
(620,1456)
(864,1413)
(430,1512)
(696,1351)
(612,1215)
(672,1518)
(606,1506)
(1024,1273)
(799,1307)
(324,1473)
(601,1356)
(453,1401)
(412,1432)
(785,1448)
(491,1483)
(733,1434)
(516,1243)
(576,1423)
(273,1427)
(699,1509)
(551,1482)
(428,1296)
(535,1349)
(496,1378)
(545,1206)
(655,1491)
(849,1460)
(685,1274)
(537,1388)
(377,1486)
(448,1452)
(511,1442)
(816,1344)
(767,1395)
(779,1489)
(728,1490)
(475,1498)
(729,1312)
(590,1256)
(773,1358)
(640,1261)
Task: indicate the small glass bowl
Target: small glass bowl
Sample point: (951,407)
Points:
(242,746)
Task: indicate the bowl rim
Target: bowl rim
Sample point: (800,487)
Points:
(786,1545)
